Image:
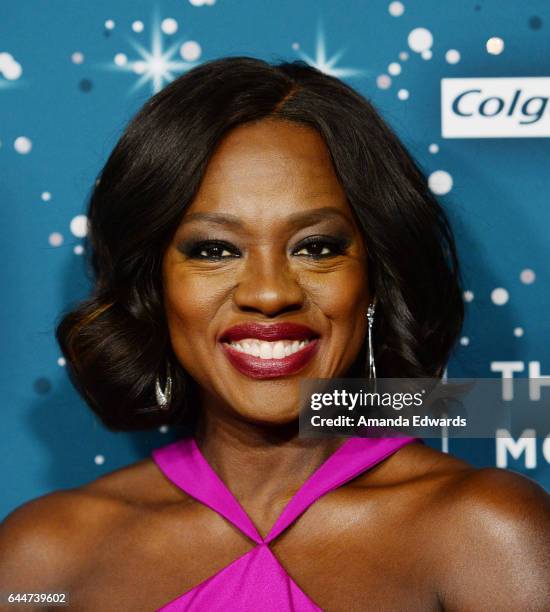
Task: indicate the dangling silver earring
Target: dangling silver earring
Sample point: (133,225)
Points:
(164,396)
(370,318)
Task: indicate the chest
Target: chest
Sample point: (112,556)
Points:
(342,554)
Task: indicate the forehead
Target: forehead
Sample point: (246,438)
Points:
(269,167)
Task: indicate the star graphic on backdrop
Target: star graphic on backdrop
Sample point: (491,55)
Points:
(322,62)
(157,66)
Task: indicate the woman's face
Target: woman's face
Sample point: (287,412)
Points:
(265,281)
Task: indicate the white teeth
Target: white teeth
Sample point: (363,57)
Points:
(265,350)
(278,350)
(268,350)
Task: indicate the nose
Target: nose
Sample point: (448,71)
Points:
(267,286)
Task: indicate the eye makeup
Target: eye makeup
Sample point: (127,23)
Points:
(322,246)
(208,248)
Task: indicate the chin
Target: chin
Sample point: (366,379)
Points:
(267,414)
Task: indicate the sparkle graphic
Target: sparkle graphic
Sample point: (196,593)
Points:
(326,64)
(156,65)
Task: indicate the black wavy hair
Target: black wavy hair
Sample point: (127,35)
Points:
(116,341)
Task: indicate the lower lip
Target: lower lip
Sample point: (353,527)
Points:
(255,367)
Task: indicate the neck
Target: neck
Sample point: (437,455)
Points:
(263,466)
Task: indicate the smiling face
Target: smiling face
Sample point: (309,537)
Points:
(265,281)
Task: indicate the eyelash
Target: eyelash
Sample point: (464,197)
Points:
(336,245)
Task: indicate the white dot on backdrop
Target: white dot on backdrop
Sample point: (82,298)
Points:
(468,295)
(518,332)
(12,70)
(394,68)
(6,59)
(464,340)
(527,276)
(440,182)
(420,39)
(169,25)
(452,56)
(163,429)
(495,45)
(403,94)
(22,145)
(295,46)
(121,59)
(99,459)
(137,26)
(61,361)
(78,250)
(139,67)
(190,51)
(383,81)
(45,196)
(396,9)
(110,24)
(426,54)
(499,296)
(79,226)
(77,57)
(433,148)
(403,56)
(55,239)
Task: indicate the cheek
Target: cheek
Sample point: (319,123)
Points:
(189,311)
(191,301)
(342,295)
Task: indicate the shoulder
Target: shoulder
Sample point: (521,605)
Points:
(54,539)
(46,542)
(502,503)
(485,533)
(502,507)
(493,531)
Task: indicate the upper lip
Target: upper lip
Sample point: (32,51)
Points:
(272,331)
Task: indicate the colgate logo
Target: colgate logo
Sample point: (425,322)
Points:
(495,107)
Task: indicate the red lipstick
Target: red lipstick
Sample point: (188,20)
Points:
(255,366)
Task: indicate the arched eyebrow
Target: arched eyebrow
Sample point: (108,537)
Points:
(309,217)
(298,219)
(217,218)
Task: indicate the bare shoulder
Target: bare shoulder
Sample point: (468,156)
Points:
(502,507)
(50,541)
(493,537)
(500,502)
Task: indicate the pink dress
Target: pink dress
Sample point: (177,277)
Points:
(257,580)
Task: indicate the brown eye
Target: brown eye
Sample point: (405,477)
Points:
(321,247)
(212,250)
(315,249)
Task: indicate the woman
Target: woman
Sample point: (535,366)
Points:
(245,224)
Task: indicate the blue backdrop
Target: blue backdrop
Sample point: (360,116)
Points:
(73,73)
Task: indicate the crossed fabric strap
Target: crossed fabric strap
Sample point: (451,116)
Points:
(257,580)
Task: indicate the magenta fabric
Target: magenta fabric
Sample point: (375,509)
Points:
(257,581)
